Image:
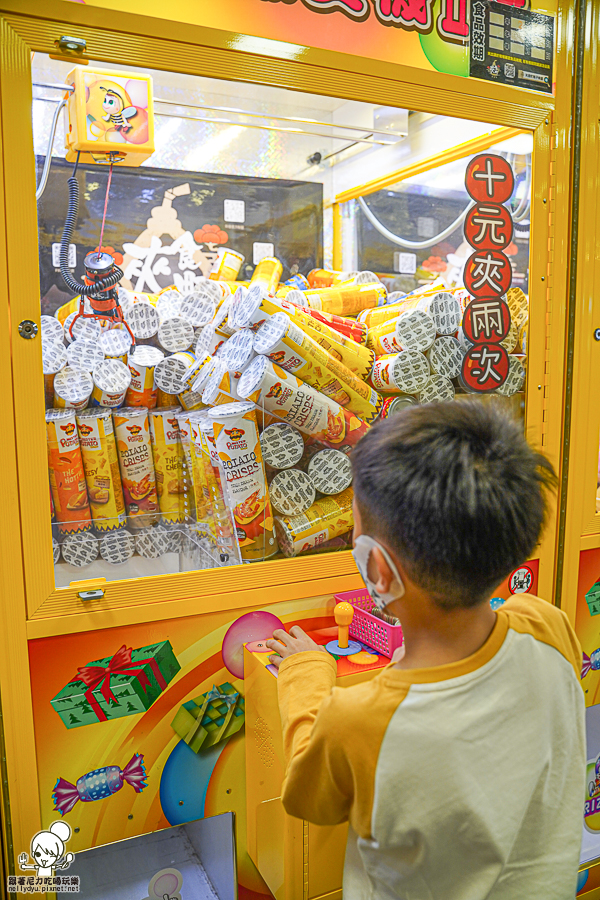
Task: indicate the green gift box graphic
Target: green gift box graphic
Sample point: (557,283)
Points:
(210,718)
(121,685)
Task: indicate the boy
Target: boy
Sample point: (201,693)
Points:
(461,765)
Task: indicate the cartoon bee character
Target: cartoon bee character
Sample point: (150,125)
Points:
(108,108)
(116,110)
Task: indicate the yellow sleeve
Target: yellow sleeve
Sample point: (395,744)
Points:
(528,614)
(331,740)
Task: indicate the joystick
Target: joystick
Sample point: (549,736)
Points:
(344,613)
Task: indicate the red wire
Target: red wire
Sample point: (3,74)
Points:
(105,208)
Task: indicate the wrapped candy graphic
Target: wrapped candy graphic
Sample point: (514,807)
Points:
(99,783)
(590,663)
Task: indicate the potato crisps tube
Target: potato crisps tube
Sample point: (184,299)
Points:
(142,390)
(223,516)
(292,401)
(348,327)
(168,456)
(201,476)
(238,446)
(101,466)
(318,278)
(137,470)
(267,274)
(347,300)
(407,372)
(67,475)
(227,265)
(412,330)
(328,518)
(288,346)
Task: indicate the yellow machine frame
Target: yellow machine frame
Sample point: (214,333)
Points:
(31,607)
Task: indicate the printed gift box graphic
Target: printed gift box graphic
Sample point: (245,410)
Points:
(210,718)
(122,685)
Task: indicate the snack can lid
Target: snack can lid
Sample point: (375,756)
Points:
(247,308)
(117,547)
(213,386)
(445,311)
(437,388)
(445,356)
(291,492)
(153,542)
(252,377)
(112,376)
(55,550)
(83,329)
(410,371)
(73,385)
(236,301)
(54,358)
(169,304)
(330,471)
(415,330)
(367,277)
(515,378)
(80,549)
(212,288)
(94,412)
(51,328)
(169,375)
(282,445)
(270,332)
(143,319)
(198,308)
(115,342)
(228,410)
(175,334)
(125,299)
(205,373)
(55,415)
(238,350)
(146,356)
(297,297)
(84,355)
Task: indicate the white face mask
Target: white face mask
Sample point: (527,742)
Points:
(361,553)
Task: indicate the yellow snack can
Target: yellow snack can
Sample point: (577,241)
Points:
(328,518)
(267,274)
(101,466)
(168,456)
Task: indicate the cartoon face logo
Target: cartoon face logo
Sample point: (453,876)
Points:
(277,357)
(134,372)
(235,434)
(172,423)
(276,390)
(85,429)
(133,429)
(68,429)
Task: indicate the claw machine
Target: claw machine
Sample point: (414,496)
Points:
(231,241)
(578,545)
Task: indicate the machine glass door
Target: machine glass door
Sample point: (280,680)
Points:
(237,281)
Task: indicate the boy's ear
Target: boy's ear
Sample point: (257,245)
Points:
(384,575)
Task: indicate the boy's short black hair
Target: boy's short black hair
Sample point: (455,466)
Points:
(455,490)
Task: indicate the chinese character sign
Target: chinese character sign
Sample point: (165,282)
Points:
(488,273)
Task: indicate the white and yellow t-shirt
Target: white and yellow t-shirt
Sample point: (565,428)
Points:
(460,782)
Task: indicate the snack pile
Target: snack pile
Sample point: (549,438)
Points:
(228,425)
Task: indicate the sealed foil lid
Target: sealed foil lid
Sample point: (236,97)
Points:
(198,308)
(236,301)
(510,341)
(153,542)
(112,376)
(227,410)
(116,342)
(247,309)
(212,288)
(445,311)
(73,385)
(169,304)
(143,319)
(437,388)
(270,332)
(80,549)
(239,350)
(213,385)
(291,492)
(84,355)
(55,550)
(205,340)
(282,446)
(252,377)
(367,277)
(515,378)
(117,547)
(330,471)
(175,334)
(83,329)
(146,356)
(205,373)
(52,330)
(95,412)
(169,375)
(410,371)
(465,343)
(55,415)
(445,356)
(125,300)
(415,330)
(54,358)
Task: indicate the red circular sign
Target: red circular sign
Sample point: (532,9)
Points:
(488,226)
(487,319)
(485,367)
(487,273)
(489,177)
(521,580)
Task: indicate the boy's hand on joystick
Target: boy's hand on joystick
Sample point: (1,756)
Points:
(284,644)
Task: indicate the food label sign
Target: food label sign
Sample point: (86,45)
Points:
(512,46)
